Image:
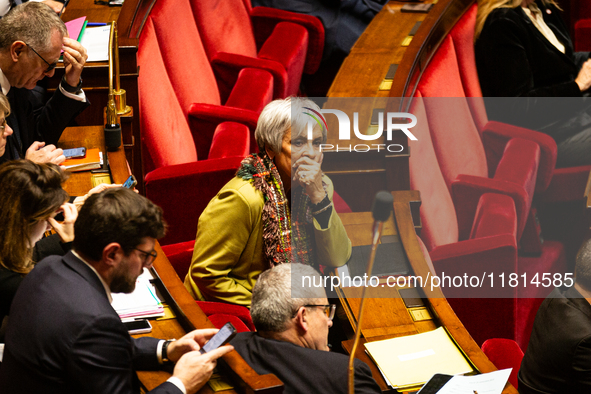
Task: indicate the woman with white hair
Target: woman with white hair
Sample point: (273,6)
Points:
(278,209)
(523,50)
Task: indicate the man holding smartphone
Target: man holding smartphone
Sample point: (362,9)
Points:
(32,39)
(64,337)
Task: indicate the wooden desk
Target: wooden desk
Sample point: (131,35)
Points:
(379,46)
(91,137)
(388,317)
(95,74)
(189,315)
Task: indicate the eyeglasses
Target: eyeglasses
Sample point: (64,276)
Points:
(50,66)
(328,309)
(149,256)
(3,126)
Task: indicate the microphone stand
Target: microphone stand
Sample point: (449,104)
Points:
(382,206)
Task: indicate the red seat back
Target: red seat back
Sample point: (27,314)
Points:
(438,215)
(187,65)
(455,137)
(504,353)
(462,35)
(224,26)
(165,130)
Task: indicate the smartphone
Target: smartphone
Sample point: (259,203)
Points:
(138,326)
(130,182)
(435,384)
(74,153)
(224,335)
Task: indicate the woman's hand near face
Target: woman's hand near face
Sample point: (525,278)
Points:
(308,173)
(65,229)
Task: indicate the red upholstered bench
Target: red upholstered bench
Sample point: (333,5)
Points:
(193,138)
(283,43)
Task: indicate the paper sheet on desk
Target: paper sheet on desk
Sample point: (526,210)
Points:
(142,303)
(486,383)
(96,42)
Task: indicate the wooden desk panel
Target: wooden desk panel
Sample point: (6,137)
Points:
(388,317)
(378,47)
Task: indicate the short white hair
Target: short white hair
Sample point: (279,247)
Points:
(278,117)
(275,300)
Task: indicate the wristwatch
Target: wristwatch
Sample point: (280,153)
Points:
(71,89)
(165,358)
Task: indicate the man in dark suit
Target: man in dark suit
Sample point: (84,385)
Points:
(558,357)
(63,335)
(291,341)
(32,37)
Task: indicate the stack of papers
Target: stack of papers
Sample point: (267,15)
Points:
(92,160)
(94,39)
(142,303)
(486,383)
(96,42)
(410,361)
(76,28)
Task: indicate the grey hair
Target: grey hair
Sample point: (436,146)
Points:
(279,116)
(33,23)
(583,265)
(273,303)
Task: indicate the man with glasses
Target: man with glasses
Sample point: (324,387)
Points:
(64,337)
(32,38)
(291,341)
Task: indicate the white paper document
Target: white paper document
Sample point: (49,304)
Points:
(486,383)
(142,303)
(96,42)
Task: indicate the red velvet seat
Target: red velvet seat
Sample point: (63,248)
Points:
(192,144)
(502,154)
(283,43)
(487,244)
(459,148)
(218,313)
(504,353)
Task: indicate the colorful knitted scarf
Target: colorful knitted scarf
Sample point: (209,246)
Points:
(284,241)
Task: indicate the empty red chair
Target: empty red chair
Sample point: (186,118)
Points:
(192,144)
(459,148)
(505,154)
(504,353)
(283,43)
(489,244)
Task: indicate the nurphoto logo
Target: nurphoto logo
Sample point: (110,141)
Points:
(393,120)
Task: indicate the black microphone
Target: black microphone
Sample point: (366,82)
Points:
(112,128)
(382,206)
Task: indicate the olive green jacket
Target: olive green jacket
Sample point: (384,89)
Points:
(228,255)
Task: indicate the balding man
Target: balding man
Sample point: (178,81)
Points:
(291,341)
(32,38)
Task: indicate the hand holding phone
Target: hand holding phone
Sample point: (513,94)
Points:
(224,335)
(130,183)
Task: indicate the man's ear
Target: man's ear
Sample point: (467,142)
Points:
(17,50)
(112,254)
(301,320)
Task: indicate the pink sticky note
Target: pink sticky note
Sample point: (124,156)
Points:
(75,26)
